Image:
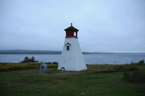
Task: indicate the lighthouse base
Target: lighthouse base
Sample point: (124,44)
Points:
(71,57)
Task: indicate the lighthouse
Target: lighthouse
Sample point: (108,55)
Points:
(71,57)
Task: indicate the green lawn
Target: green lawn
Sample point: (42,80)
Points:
(29,82)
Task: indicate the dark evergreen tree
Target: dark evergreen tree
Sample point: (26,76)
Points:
(26,58)
(32,59)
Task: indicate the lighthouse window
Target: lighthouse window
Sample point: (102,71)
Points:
(67,47)
(74,33)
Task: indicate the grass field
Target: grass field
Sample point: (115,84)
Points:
(29,82)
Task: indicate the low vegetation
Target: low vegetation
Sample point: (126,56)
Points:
(135,76)
(98,80)
(20,66)
(93,68)
(141,62)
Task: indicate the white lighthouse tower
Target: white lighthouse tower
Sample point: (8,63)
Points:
(71,57)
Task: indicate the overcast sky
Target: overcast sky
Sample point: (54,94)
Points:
(104,25)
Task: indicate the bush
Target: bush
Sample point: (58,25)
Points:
(32,59)
(26,58)
(52,66)
(48,63)
(119,68)
(135,77)
(141,62)
(125,68)
(55,63)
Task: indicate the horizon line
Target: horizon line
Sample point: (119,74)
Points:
(59,50)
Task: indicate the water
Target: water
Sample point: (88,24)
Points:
(117,58)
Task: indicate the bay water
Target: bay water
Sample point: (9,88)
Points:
(115,58)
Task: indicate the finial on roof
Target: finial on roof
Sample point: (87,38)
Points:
(71,24)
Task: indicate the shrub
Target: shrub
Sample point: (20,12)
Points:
(141,62)
(48,63)
(26,58)
(119,68)
(52,66)
(32,59)
(134,77)
(125,68)
(55,63)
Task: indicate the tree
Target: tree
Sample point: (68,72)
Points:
(26,58)
(32,59)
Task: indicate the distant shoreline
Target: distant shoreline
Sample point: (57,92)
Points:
(82,53)
(54,52)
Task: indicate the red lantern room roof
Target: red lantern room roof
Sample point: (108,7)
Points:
(71,28)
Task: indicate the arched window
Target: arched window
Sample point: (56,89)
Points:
(67,47)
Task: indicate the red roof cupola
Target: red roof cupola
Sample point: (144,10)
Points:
(71,32)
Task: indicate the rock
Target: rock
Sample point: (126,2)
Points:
(43,68)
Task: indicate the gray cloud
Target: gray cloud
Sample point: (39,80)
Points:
(105,25)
